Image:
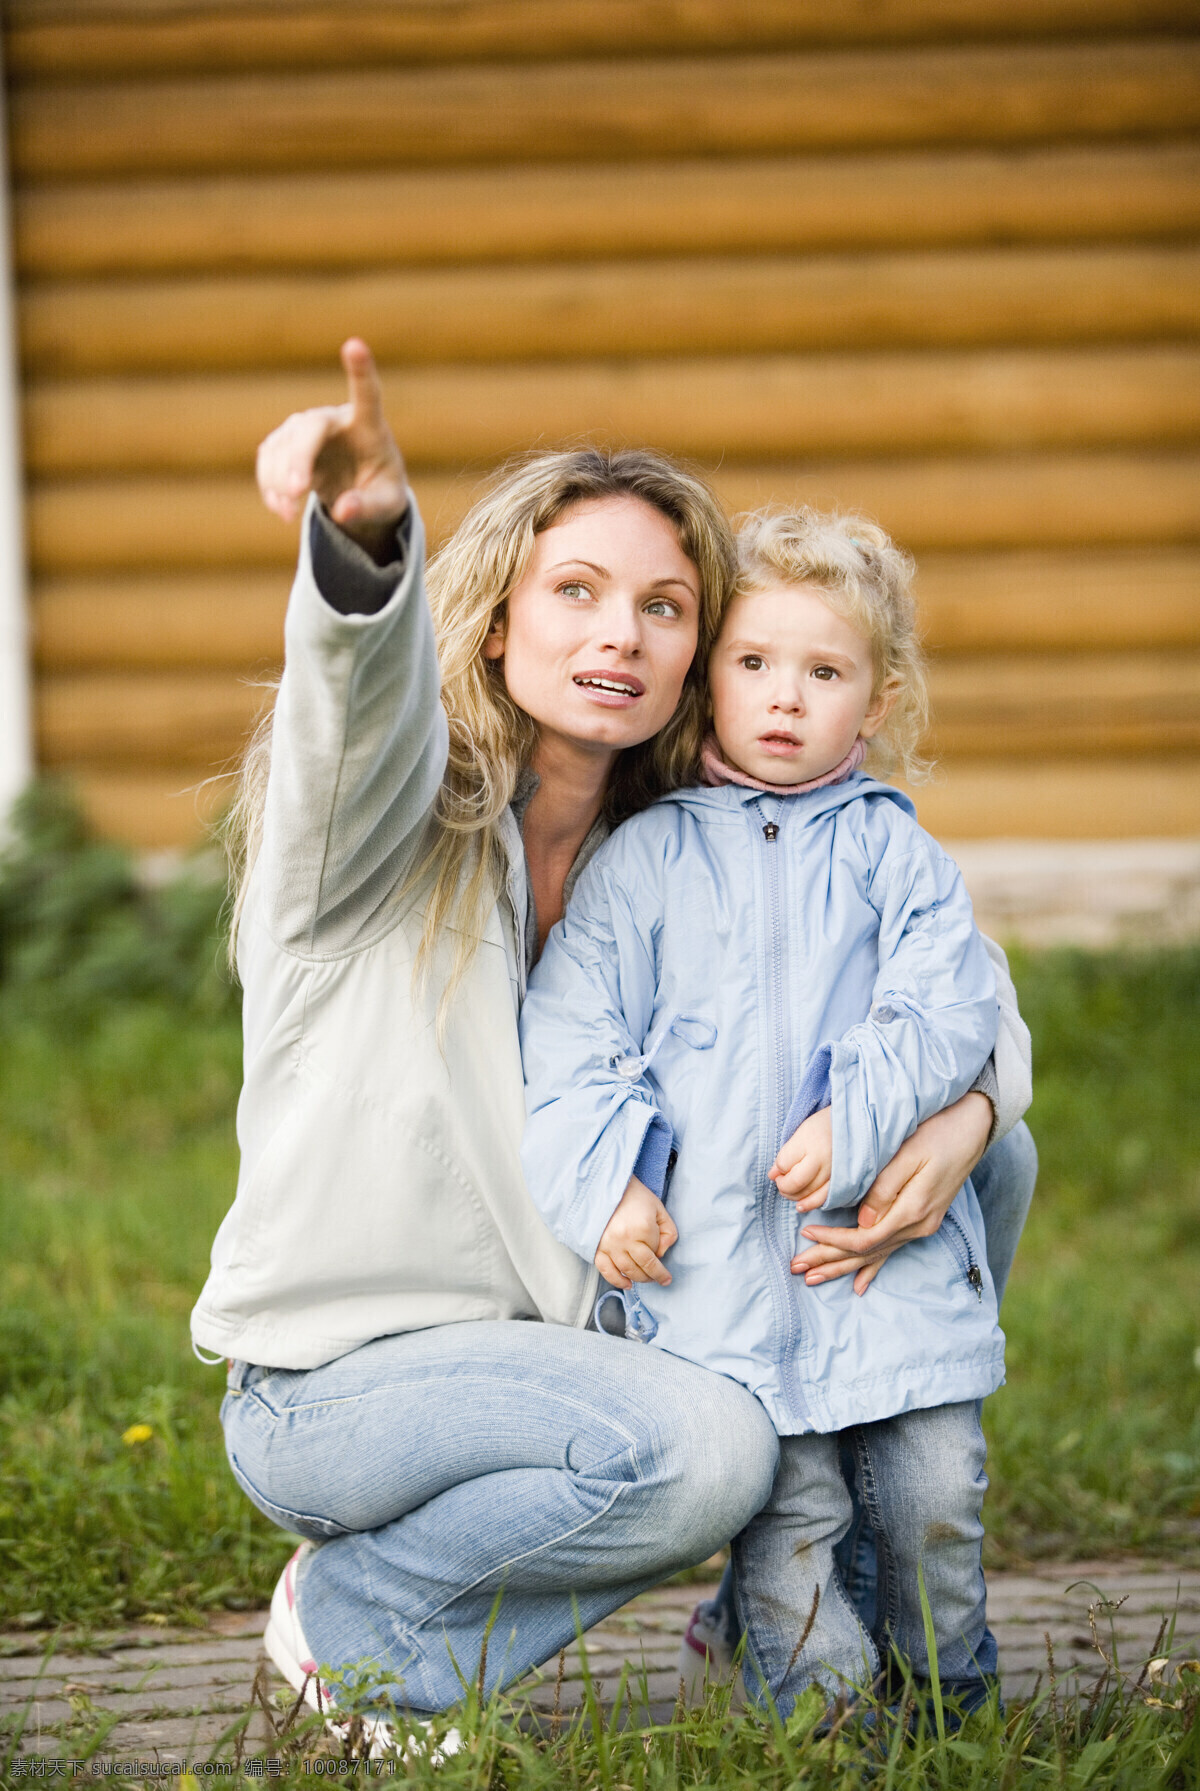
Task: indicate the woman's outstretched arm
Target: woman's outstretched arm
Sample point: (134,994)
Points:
(359,737)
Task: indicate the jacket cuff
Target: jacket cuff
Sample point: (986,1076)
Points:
(988,1083)
(813,1093)
(349,580)
(654,1158)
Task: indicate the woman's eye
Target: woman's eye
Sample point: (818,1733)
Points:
(662,606)
(573,589)
(825,672)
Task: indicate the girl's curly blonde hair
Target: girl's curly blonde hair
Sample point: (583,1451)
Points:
(866,579)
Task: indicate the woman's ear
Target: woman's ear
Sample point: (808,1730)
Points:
(493,645)
(882,704)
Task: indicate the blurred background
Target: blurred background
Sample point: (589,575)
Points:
(935,258)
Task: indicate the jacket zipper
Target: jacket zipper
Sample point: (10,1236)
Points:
(954,1235)
(780,1210)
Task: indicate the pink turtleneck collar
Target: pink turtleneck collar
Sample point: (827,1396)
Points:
(715,771)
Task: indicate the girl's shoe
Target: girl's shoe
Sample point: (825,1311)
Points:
(284,1641)
(705,1656)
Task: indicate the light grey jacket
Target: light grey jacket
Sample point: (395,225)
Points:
(380,1186)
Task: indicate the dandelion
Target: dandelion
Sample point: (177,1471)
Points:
(137,1433)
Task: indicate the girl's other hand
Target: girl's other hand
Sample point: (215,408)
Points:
(639,1232)
(346,454)
(909,1198)
(802,1169)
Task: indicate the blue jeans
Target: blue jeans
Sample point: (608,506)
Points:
(922,1484)
(1004,1180)
(438,1468)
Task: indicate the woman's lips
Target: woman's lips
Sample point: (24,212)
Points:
(611,690)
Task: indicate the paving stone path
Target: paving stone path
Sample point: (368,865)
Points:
(173,1694)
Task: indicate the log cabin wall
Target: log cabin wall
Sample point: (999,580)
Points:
(938,259)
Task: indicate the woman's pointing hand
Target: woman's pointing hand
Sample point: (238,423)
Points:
(346,454)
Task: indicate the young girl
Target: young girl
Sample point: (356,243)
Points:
(763,985)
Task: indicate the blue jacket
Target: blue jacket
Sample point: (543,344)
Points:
(731,962)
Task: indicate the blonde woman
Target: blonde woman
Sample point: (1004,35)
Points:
(407,850)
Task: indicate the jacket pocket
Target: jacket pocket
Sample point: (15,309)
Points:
(956,1239)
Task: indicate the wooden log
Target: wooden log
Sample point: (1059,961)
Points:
(991,501)
(429,216)
(197,718)
(169,807)
(1038,600)
(607,110)
(762,407)
(1124,702)
(984,799)
(743,305)
(82,42)
(970,603)
(197,620)
(1086,799)
(155,524)
(1063,704)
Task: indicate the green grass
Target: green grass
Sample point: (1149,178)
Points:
(1125,1737)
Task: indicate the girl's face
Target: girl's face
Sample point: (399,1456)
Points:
(598,635)
(792,685)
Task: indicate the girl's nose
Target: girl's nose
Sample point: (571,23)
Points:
(788,700)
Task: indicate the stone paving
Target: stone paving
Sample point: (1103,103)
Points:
(165,1695)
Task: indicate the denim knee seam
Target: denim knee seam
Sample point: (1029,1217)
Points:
(550,1542)
(887,1588)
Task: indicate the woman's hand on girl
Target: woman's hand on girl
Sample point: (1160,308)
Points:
(640,1231)
(346,454)
(909,1198)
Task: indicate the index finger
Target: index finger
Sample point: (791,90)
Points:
(366,393)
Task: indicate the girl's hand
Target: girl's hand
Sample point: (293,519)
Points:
(346,454)
(909,1198)
(802,1169)
(639,1232)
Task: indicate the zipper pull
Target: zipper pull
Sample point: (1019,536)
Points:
(770,831)
(976,1280)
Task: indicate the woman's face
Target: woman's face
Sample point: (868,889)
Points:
(598,635)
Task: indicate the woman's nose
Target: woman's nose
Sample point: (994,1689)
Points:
(620,629)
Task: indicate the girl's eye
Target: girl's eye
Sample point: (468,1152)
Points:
(753,662)
(824,672)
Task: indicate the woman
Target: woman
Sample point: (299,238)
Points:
(406,859)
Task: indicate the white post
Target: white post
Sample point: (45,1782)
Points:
(16,709)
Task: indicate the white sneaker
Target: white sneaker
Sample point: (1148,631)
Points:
(284,1641)
(705,1657)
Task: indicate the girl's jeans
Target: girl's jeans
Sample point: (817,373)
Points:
(921,1480)
(1004,1181)
(565,1470)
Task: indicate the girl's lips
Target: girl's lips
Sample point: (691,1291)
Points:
(611,690)
(780,744)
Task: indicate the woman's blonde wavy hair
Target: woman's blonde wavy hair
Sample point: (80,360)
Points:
(866,579)
(491,740)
